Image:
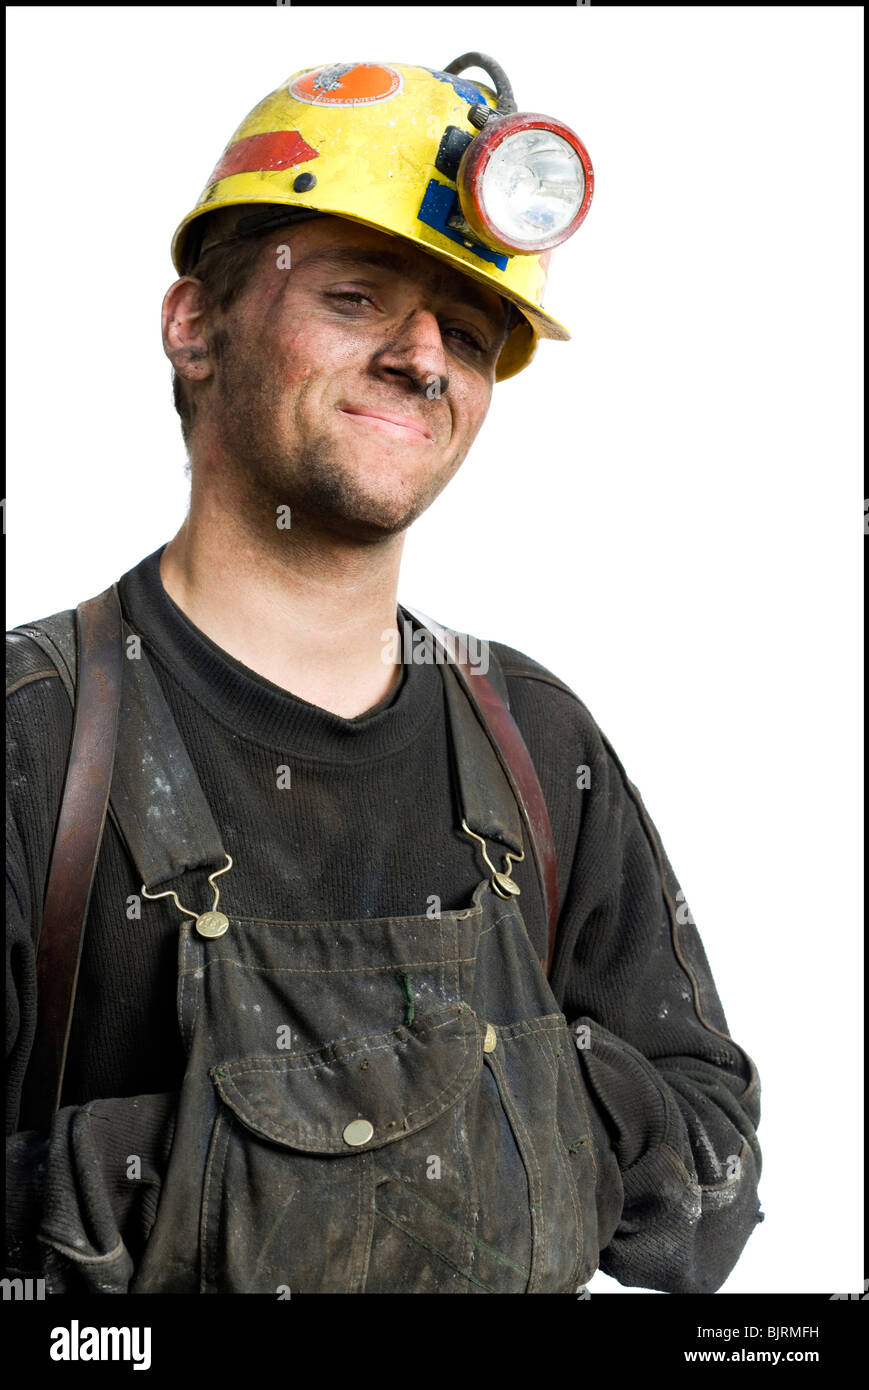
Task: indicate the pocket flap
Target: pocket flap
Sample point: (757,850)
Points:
(399,1081)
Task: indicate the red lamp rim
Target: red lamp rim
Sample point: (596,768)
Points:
(476,160)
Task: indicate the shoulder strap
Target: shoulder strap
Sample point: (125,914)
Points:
(492,710)
(99,638)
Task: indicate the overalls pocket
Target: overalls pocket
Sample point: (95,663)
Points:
(288,1197)
(409,1160)
(520,1215)
(540,1090)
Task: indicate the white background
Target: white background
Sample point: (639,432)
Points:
(665,510)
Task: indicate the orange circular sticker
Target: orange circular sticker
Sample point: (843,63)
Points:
(347,84)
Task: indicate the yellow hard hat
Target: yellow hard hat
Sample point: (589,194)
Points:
(427,155)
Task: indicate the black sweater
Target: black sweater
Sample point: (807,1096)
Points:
(371,829)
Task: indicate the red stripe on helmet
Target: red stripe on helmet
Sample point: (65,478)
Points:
(275,149)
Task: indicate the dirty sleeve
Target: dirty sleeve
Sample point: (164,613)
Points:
(679,1099)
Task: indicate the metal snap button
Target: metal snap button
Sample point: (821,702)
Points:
(358,1132)
(490,1040)
(212,923)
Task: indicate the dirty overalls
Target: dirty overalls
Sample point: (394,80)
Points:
(371,1106)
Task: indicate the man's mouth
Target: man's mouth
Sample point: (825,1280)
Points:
(403,427)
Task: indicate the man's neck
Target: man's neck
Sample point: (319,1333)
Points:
(308,613)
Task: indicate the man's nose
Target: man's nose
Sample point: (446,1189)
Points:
(415,349)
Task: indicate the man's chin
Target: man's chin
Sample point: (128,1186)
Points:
(341,500)
(329,490)
(371,524)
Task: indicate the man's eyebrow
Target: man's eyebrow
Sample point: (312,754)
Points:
(390,260)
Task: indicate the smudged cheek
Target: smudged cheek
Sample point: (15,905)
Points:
(296,359)
(298,374)
(313,347)
(469,409)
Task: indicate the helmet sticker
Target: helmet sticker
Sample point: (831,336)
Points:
(274,149)
(438,203)
(347,84)
(462,86)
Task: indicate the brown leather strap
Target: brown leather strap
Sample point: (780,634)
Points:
(80,823)
(515,759)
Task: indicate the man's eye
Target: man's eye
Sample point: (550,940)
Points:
(474,342)
(350,295)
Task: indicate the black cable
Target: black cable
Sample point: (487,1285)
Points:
(506,100)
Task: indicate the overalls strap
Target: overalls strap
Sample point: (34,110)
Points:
(157,804)
(503,751)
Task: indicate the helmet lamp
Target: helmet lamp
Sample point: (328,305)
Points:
(525,183)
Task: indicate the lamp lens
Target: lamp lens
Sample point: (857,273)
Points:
(533,185)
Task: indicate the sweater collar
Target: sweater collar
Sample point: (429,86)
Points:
(253,707)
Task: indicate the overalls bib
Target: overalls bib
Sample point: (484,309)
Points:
(372,1106)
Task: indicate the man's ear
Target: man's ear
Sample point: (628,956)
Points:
(183,320)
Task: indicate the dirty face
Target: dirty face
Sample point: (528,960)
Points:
(349,385)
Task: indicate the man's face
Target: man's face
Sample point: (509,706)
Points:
(362,326)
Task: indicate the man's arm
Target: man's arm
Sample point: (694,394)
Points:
(80,1199)
(676,1102)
